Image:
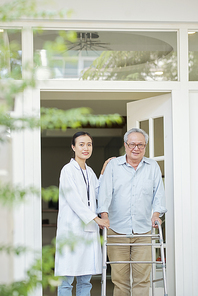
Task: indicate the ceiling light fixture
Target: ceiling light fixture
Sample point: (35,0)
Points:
(88,41)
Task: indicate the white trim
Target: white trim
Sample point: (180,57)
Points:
(182,212)
(181,156)
(103,24)
(193,98)
(151,138)
(159,158)
(111,86)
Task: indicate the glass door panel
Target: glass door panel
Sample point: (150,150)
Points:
(158,125)
(145,126)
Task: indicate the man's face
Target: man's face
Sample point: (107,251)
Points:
(135,154)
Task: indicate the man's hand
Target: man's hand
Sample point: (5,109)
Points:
(105,218)
(154,218)
(102,222)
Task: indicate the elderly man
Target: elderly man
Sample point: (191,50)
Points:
(132,197)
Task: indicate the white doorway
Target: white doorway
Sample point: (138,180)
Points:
(117,103)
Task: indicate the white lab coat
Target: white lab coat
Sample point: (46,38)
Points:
(82,253)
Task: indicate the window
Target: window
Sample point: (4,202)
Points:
(193,55)
(10,54)
(118,56)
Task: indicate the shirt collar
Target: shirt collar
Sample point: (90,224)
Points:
(122,160)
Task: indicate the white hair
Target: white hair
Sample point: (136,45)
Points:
(136,130)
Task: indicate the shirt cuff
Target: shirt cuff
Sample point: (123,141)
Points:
(161,210)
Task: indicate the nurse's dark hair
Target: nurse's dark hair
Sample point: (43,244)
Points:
(78,134)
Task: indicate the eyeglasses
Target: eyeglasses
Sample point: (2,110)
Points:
(139,146)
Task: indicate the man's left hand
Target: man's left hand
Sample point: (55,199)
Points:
(154,218)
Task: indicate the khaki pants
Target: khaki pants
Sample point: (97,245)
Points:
(120,273)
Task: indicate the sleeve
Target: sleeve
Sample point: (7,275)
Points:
(158,194)
(105,189)
(97,184)
(69,192)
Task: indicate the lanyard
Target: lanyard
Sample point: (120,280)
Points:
(87,185)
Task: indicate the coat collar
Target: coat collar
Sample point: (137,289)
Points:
(75,164)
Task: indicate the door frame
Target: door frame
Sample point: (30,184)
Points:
(181,188)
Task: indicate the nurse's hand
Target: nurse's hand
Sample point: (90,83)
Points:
(105,164)
(102,222)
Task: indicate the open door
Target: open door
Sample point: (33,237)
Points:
(154,115)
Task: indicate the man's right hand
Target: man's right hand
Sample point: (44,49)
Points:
(105,217)
(102,222)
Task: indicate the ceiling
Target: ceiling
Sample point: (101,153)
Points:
(99,102)
(124,41)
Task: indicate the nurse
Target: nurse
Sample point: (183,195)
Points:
(78,249)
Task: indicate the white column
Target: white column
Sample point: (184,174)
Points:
(194,188)
(27,172)
(6,213)
(181,156)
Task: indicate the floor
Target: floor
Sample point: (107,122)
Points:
(96,288)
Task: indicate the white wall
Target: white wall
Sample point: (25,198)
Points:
(130,10)
(126,10)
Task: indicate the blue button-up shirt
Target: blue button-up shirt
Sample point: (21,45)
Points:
(129,196)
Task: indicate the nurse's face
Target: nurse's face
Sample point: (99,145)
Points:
(83,147)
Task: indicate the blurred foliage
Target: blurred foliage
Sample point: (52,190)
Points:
(9,249)
(11,195)
(15,78)
(132,66)
(50,193)
(52,118)
(18,9)
(41,272)
(13,83)
(10,55)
